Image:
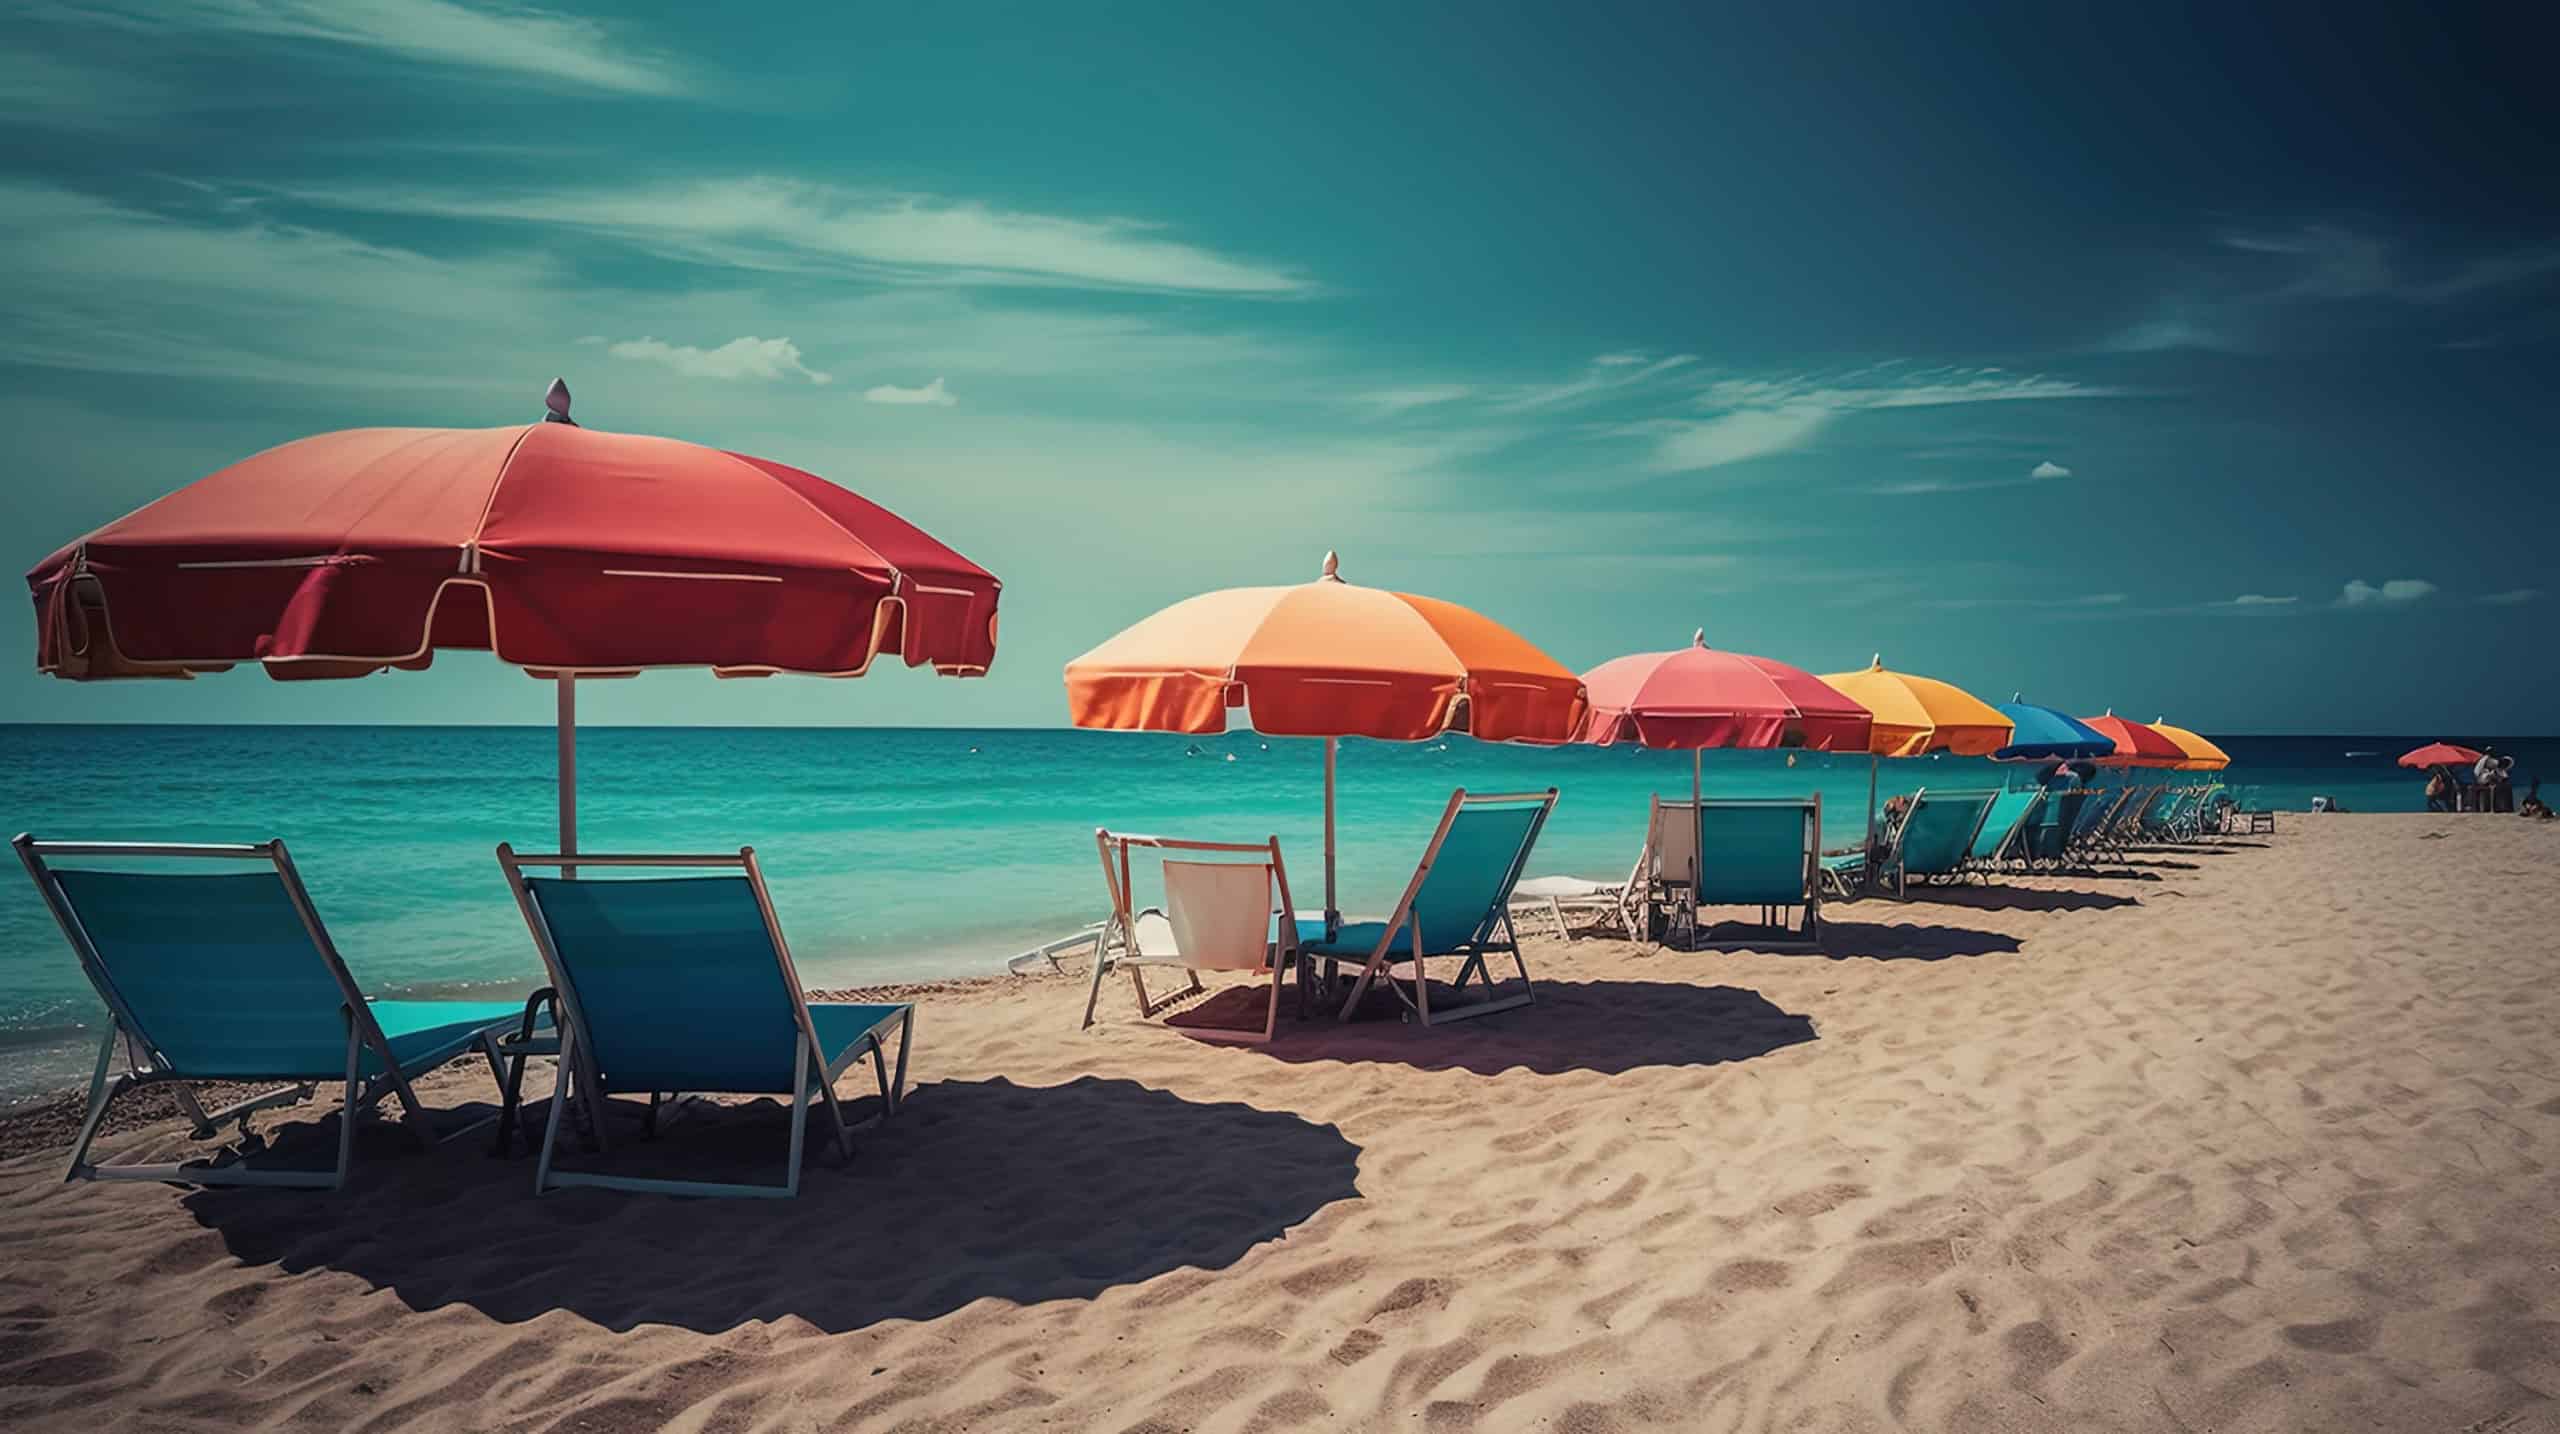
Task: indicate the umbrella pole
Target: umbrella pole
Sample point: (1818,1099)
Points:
(1697,775)
(1331,913)
(568,770)
(1868,838)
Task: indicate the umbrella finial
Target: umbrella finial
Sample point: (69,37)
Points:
(1876,663)
(1698,638)
(555,403)
(1332,567)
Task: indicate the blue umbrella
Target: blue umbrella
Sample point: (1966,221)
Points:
(2044,735)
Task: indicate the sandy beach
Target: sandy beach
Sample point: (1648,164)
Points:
(2255,1136)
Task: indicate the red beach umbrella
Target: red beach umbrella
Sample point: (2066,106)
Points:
(1696,697)
(567,551)
(2439,754)
(2138,744)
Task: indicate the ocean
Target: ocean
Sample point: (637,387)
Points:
(894,854)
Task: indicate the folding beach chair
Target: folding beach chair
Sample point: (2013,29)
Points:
(672,984)
(2250,815)
(1764,852)
(231,977)
(1846,874)
(1556,895)
(1937,835)
(2043,840)
(1457,904)
(2088,834)
(2002,825)
(1219,915)
(1655,900)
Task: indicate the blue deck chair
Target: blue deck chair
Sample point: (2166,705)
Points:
(1847,874)
(2003,826)
(2088,833)
(231,977)
(1764,852)
(2044,840)
(1937,834)
(1458,903)
(674,984)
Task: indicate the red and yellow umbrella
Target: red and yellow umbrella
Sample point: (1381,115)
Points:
(2201,755)
(2138,744)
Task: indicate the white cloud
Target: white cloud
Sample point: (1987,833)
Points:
(787,225)
(1766,416)
(1618,360)
(2396,592)
(517,40)
(1398,400)
(747,357)
(2048,469)
(933,393)
(2511,597)
(2264,600)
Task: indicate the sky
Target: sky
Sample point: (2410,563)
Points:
(2182,362)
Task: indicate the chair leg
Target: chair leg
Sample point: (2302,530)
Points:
(1101,963)
(835,1110)
(799,1110)
(102,1092)
(561,1094)
(347,1113)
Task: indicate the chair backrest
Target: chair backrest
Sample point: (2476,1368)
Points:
(1221,913)
(217,974)
(2007,810)
(1671,842)
(2060,817)
(1463,887)
(1759,851)
(2096,812)
(1133,928)
(673,982)
(1940,828)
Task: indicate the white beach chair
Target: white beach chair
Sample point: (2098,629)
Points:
(1556,895)
(1224,902)
(1665,877)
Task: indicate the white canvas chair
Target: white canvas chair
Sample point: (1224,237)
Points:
(1224,902)
(1665,876)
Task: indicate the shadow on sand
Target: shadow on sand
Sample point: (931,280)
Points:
(978,1190)
(1610,1027)
(2020,898)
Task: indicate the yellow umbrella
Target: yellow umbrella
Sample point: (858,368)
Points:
(1918,715)
(2202,756)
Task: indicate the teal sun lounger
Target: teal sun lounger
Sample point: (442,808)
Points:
(684,984)
(1764,852)
(1457,904)
(229,975)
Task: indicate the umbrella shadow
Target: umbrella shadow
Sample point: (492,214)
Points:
(958,1199)
(2021,898)
(1608,1027)
(1909,941)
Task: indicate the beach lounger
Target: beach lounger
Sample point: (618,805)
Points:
(1847,874)
(2250,815)
(1457,904)
(1937,835)
(1221,900)
(2002,826)
(1665,877)
(1556,895)
(230,976)
(2089,832)
(683,984)
(1764,852)
(2044,840)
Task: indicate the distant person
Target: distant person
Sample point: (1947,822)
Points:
(2440,791)
(2533,806)
(2484,777)
(2505,791)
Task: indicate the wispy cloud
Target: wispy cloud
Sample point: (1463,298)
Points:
(747,357)
(2085,600)
(1399,400)
(517,40)
(1759,417)
(1613,374)
(2394,592)
(2511,597)
(2048,469)
(2264,600)
(933,394)
(2043,472)
(763,222)
(2255,289)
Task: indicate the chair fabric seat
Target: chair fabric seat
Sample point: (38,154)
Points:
(424,1034)
(1356,938)
(841,1025)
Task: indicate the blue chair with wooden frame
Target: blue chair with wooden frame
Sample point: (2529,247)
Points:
(1764,852)
(675,984)
(230,976)
(1457,904)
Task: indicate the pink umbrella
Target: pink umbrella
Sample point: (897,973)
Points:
(1697,697)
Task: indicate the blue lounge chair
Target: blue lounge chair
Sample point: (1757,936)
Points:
(2002,826)
(2043,844)
(1937,835)
(684,984)
(231,977)
(1764,852)
(1847,874)
(1457,904)
(2088,834)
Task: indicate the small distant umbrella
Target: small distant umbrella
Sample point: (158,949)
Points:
(2202,756)
(2439,754)
(1695,697)
(2043,734)
(2137,743)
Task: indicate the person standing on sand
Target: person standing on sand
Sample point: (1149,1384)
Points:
(2484,775)
(2440,791)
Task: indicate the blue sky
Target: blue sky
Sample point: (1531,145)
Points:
(2189,364)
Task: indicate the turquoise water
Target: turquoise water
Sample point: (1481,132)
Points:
(894,854)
